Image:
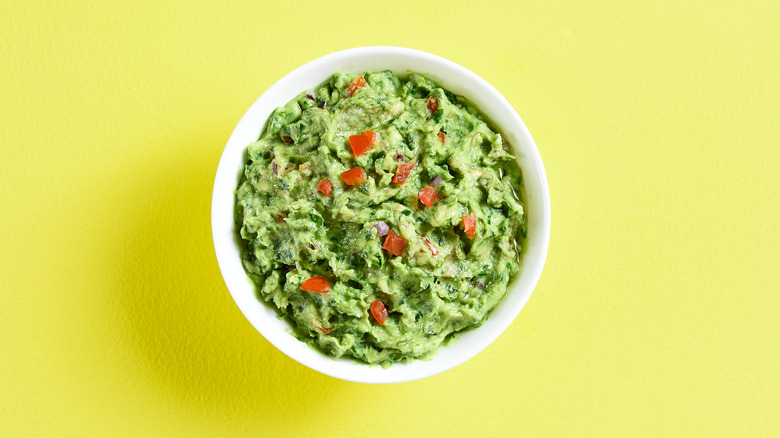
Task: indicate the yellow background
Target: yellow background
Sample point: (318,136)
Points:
(658,312)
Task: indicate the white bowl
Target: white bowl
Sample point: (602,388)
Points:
(452,77)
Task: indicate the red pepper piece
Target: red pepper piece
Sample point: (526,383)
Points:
(354,176)
(325,187)
(470,225)
(428,195)
(317,285)
(403,172)
(361,142)
(394,243)
(379,311)
(357,83)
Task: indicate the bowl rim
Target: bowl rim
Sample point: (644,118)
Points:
(254,120)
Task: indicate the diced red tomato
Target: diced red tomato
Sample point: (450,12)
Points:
(394,243)
(379,311)
(357,83)
(428,195)
(325,187)
(361,142)
(317,285)
(470,225)
(441,137)
(430,246)
(354,176)
(404,169)
(433,104)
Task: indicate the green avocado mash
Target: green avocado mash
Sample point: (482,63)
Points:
(296,226)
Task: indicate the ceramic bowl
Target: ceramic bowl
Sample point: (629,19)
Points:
(452,77)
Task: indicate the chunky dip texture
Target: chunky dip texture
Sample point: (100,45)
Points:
(381,215)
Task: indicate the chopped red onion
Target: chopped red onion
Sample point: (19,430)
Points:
(436,180)
(276,170)
(310,95)
(381,228)
(399,156)
(322,104)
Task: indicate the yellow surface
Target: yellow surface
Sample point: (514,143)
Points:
(658,313)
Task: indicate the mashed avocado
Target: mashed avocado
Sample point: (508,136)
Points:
(380,215)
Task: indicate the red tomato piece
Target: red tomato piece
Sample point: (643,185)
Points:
(317,285)
(433,104)
(394,243)
(379,311)
(403,172)
(441,137)
(430,246)
(470,225)
(354,176)
(357,83)
(325,187)
(361,142)
(428,195)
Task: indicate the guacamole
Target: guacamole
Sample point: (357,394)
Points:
(380,215)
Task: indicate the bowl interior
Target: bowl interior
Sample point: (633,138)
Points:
(450,76)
